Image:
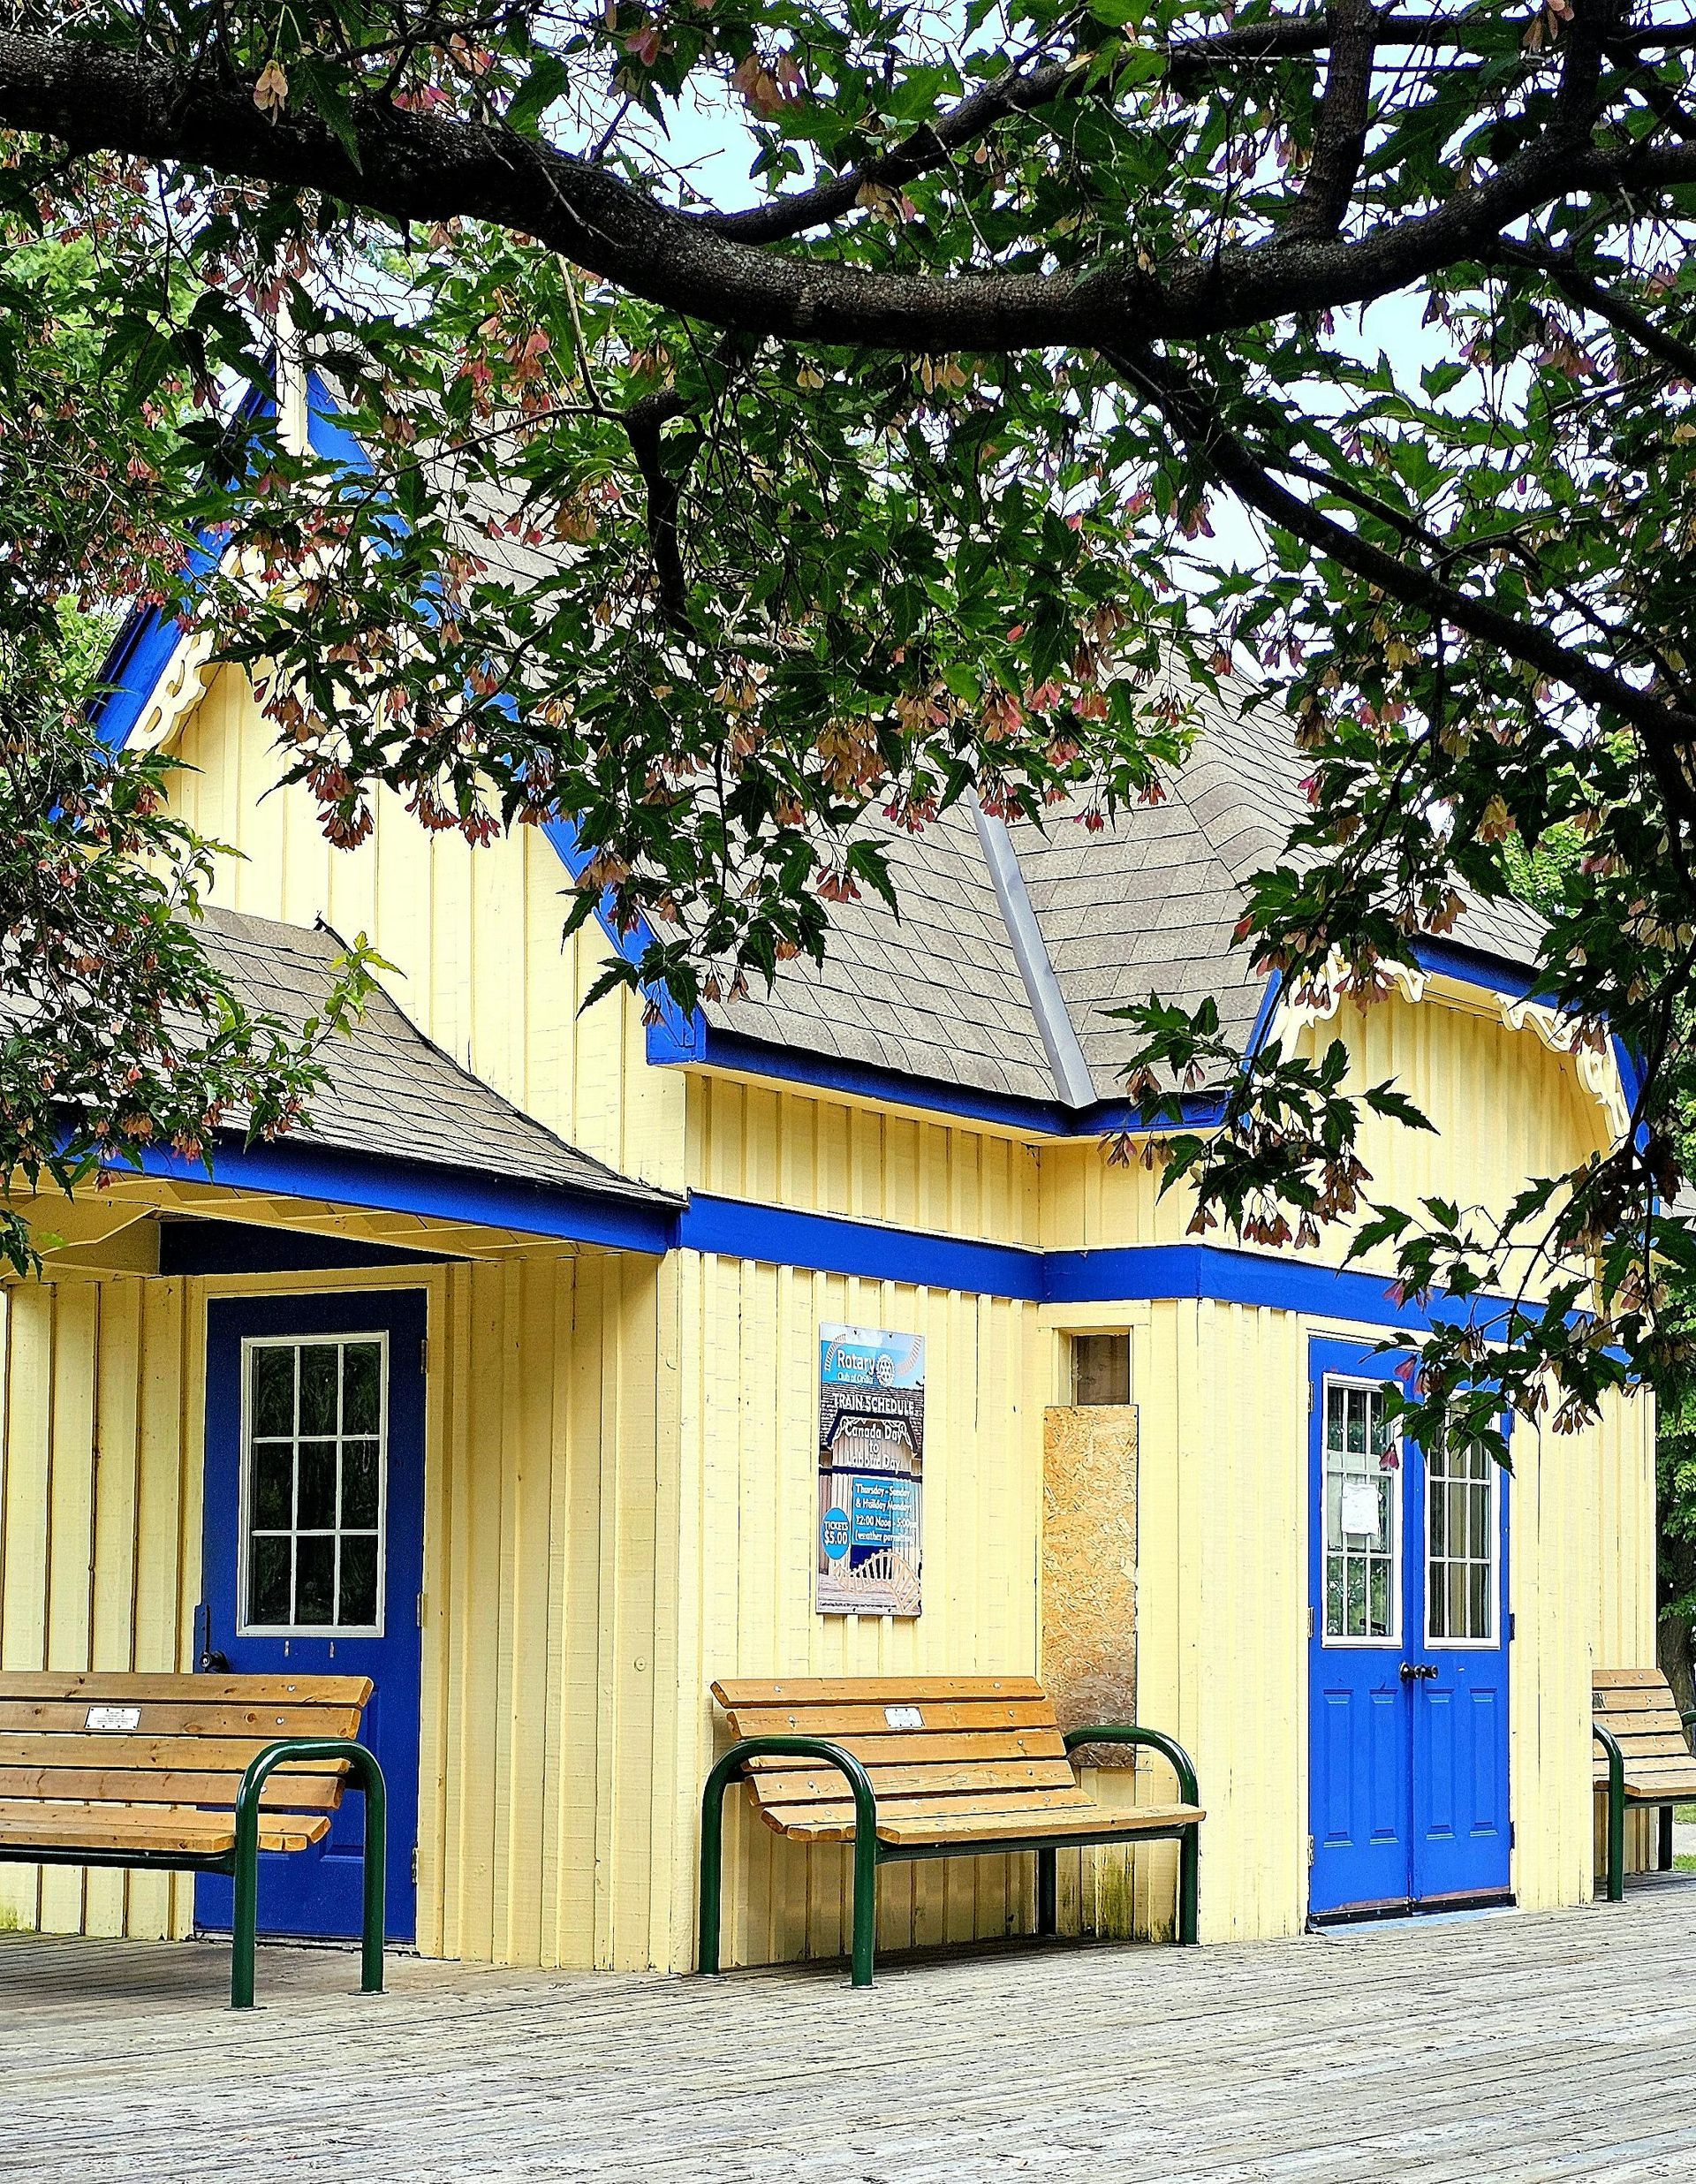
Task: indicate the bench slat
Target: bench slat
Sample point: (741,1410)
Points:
(838,1721)
(916,1748)
(115,1828)
(1119,1820)
(1625,1679)
(991,1828)
(289,1792)
(200,1755)
(97,1684)
(795,1787)
(1057,1796)
(1674,1780)
(169,1717)
(870,1690)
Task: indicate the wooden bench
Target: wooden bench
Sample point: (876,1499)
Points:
(192,1774)
(926,1767)
(1644,1757)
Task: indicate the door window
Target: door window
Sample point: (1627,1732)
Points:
(1460,1533)
(1362,1507)
(315,1483)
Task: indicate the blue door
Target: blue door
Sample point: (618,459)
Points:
(1408,1658)
(313,1553)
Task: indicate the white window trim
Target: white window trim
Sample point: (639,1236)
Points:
(1392,1642)
(1493,1591)
(329,1631)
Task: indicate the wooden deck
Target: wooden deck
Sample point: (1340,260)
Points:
(1561,2045)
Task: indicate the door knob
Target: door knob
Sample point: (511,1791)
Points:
(1410,1670)
(1418,1672)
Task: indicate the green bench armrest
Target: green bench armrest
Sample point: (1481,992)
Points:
(712,1838)
(1134,1733)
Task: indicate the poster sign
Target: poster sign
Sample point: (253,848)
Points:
(871,1470)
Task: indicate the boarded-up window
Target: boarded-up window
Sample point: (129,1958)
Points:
(1089,1566)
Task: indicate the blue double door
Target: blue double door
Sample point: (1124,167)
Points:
(312,1558)
(1408,1656)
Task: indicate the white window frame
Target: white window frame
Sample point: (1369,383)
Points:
(330,1631)
(1493,1589)
(1393,1640)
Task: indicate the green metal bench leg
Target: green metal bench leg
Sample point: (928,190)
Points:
(375,1878)
(712,1841)
(712,1870)
(1666,1839)
(1048,1914)
(1609,1744)
(1189,1884)
(865,1899)
(244,1922)
(367,1776)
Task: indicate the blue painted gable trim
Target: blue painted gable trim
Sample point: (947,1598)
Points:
(297,1170)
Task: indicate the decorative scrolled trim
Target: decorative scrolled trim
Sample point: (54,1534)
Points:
(1331,991)
(178,691)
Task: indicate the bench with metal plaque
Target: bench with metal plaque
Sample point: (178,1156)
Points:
(927,1767)
(1644,1757)
(193,1774)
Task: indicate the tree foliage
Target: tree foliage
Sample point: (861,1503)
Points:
(716,514)
(116,1034)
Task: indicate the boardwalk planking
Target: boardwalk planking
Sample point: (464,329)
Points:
(1561,2045)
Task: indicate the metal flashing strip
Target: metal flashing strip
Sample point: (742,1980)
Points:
(1072,1078)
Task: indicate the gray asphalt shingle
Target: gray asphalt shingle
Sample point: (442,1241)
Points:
(1148,905)
(391,1092)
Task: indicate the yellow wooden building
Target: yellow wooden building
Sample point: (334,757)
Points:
(504,1380)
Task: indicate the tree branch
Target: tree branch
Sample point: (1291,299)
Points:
(1340,141)
(429,167)
(1668,733)
(1588,294)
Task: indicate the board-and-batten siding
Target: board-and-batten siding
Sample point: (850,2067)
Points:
(475,935)
(621,1469)
(821,1155)
(1505,1107)
(746,1365)
(99,1527)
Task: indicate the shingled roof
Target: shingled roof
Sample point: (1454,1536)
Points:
(391,1092)
(1147,906)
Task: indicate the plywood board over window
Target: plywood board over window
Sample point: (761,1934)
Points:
(1089,1566)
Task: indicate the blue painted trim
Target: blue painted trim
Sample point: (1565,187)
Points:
(671,1035)
(828,1243)
(1137,1273)
(828,1072)
(297,1170)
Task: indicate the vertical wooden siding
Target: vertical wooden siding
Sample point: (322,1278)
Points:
(100,1521)
(824,1155)
(746,1364)
(475,935)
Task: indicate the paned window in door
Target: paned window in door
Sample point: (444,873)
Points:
(314,1464)
(1461,1535)
(1362,1518)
